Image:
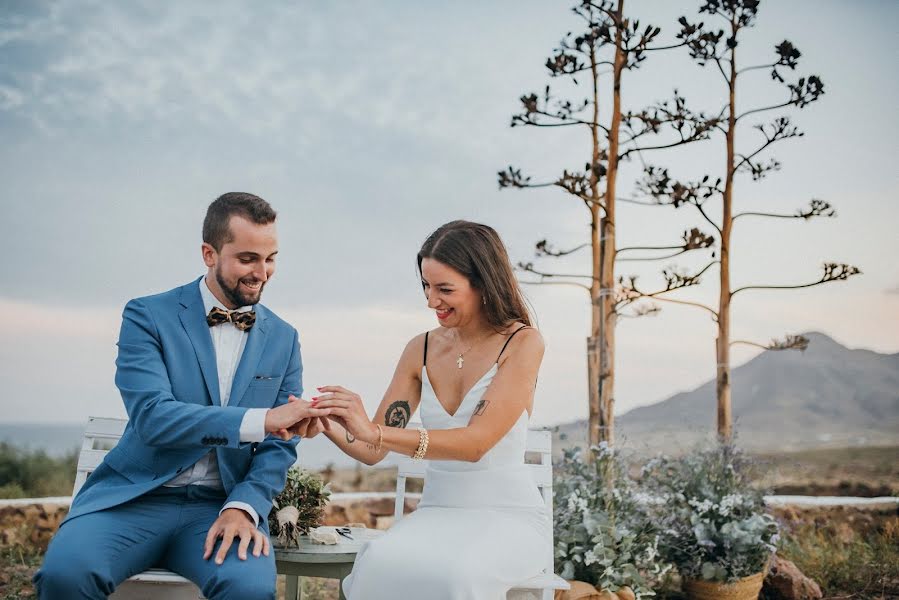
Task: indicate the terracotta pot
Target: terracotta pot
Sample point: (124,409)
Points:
(747,588)
(626,593)
(580,590)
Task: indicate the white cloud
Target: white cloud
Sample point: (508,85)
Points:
(368,126)
(261,69)
(10,98)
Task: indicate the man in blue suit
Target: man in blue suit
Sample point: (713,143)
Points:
(211,381)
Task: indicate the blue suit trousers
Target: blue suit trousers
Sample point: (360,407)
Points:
(95,552)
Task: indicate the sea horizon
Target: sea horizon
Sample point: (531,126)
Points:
(59,439)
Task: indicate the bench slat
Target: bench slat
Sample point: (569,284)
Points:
(89,460)
(105,427)
(159,576)
(542,582)
(539,440)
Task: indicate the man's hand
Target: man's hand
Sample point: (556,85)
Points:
(232,523)
(311,427)
(287,417)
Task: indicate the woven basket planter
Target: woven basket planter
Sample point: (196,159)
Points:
(747,588)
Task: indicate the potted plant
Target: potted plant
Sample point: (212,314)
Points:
(713,524)
(299,507)
(603,533)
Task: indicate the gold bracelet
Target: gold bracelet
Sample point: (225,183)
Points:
(380,439)
(423,440)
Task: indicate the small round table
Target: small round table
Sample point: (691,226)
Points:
(309,559)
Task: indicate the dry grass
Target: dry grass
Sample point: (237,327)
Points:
(851,554)
(314,588)
(17,564)
(862,471)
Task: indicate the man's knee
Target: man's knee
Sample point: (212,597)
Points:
(71,575)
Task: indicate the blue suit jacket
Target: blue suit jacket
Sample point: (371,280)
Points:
(166,373)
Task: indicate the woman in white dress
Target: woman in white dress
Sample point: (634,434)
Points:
(481,525)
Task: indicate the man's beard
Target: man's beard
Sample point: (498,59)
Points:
(234,295)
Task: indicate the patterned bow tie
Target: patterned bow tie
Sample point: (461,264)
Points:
(242,320)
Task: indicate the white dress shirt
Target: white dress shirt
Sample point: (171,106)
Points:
(228,342)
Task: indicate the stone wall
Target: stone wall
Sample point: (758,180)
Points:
(33,524)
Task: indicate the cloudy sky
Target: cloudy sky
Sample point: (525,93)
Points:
(369,124)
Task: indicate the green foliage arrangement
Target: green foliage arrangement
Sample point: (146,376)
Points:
(712,523)
(603,531)
(299,507)
(34,474)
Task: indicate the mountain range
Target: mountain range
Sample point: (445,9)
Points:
(827,395)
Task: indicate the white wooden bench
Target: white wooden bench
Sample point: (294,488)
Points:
(100,436)
(539,442)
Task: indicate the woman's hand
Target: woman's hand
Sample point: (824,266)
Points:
(349,411)
(285,420)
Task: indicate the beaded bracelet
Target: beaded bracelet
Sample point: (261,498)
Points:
(422,444)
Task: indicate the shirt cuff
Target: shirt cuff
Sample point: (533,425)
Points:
(244,507)
(252,427)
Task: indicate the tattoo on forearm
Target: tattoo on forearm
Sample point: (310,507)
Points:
(481,406)
(397,414)
(350,438)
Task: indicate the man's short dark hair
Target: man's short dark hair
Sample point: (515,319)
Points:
(216,232)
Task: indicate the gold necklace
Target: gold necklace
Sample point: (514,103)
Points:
(460,360)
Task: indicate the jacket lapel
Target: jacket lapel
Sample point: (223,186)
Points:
(193,318)
(249,360)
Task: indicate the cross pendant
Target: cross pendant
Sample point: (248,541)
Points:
(460,361)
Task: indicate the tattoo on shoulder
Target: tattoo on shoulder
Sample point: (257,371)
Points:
(398,414)
(350,438)
(481,406)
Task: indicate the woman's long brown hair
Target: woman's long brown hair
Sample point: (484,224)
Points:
(477,252)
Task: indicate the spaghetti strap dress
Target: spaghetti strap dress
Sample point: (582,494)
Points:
(479,528)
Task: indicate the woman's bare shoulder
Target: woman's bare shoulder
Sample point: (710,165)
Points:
(412,359)
(527,342)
